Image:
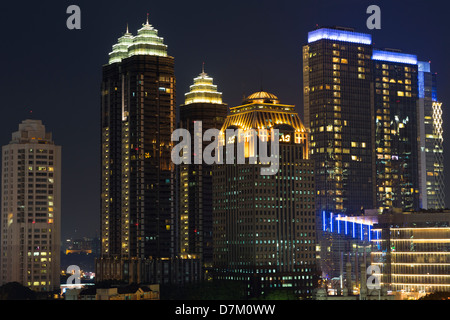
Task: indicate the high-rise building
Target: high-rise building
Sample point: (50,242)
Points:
(395,77)
(31,209)
(338,94)
(339,113)
(264,225)
(138,116)
(431,152)
(203,110)
(376,127)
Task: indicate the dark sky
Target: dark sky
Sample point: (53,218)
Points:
(56,72)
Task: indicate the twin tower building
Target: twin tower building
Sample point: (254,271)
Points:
(372,139)
(174,224)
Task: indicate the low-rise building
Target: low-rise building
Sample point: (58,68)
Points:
(131,292)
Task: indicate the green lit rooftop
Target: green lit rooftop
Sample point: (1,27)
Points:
(146,42)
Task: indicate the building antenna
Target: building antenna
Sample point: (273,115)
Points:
(262,77)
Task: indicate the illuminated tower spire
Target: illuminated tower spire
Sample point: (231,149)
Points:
(203,110)
(146,42)
(203,90)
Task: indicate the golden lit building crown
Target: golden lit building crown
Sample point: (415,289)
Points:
(262,110)
(203,91)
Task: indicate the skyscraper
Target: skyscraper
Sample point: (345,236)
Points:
(430,125)
(138,177)
(338,107)
(368,110)
(338,95)
(264,225)
(31,208)
(396,133)
(203,109)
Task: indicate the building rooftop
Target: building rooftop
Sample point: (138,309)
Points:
(146,42)
(261,97)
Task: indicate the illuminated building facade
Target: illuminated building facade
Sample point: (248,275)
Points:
(375,127)
(138,177)
(203,105)
(31,209)
(338,112)
(346,239)
(431,152)
(264,225)
(338,107)
(396,130)
(412,252)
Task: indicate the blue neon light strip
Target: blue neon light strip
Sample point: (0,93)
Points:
(339,224)
(339,35)
(422,68)
(421,84)
(359,230)
(434,94)
(362,232)
(398,57)
(323,221)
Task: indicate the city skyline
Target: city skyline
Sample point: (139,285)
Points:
(68,93)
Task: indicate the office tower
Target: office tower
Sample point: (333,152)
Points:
(264,225)
(338,92)
(339,113)
(396,93)
(431,156)
(31,209)
(203,109)
(138,176)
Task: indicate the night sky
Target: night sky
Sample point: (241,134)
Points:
(53,74)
